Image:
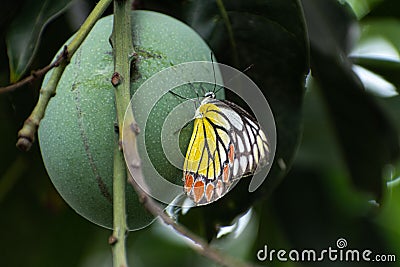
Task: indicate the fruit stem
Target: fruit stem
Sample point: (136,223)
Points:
(26,136)
(121,40)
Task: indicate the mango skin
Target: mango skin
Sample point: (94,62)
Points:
(77,135)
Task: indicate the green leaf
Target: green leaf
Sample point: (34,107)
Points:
(271,36)
(362,7)
(24,33)
(381,28)
(378,50)
(367,138)
(387,69)
(337,18)
(389,218)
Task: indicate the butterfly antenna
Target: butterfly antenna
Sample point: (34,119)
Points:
(245,70)
(179,96)
(219,89)
(203,90)
(197,95)
(195,90)
(184,98)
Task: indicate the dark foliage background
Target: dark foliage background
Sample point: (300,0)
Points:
(337,158)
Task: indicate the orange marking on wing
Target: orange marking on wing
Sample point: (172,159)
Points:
(220,188)
(231,153)
(225,175)
(189,180)
(198,191)
(209,192)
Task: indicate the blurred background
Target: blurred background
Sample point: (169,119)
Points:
(336,172)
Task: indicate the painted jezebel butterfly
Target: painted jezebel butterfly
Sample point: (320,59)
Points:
(227,144)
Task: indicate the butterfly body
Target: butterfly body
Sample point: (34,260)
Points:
(226,144)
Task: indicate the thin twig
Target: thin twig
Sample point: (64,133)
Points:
(26,136)
(36,74)
(200,245)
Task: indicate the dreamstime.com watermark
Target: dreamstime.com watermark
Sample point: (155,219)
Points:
(338,253)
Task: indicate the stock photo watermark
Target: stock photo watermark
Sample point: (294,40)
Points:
(340,253)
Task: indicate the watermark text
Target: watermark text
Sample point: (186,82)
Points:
(338,253)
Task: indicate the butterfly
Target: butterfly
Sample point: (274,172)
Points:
(227,144)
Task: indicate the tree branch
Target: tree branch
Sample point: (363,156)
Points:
(117,239)
(199,244)
(26,136)
(121,39)
(36,74)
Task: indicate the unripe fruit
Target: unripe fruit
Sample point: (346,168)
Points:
(77,135)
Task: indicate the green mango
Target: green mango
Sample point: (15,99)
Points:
(77,136)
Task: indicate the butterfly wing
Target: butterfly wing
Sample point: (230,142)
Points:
(226,144)
(251,144)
